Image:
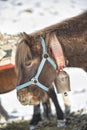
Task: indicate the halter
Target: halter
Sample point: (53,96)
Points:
(34,80)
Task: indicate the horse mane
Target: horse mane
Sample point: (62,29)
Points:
(66,27)
(22,53)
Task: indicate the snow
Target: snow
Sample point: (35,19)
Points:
(14,18)
(30,15)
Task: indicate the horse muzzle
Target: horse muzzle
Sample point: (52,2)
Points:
(28,99)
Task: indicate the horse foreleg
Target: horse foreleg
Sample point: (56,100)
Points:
(59,112)
(47,109)
(67,104)
(36,117)
(3,112)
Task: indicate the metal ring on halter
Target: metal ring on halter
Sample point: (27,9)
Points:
(45,55)
(34,80)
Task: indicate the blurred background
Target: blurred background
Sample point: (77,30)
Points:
(30,15)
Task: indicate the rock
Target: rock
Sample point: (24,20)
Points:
(7,48)
(2,54)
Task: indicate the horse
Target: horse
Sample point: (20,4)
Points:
(8,78)
(72,36)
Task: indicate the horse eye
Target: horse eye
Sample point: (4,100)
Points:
(28,63)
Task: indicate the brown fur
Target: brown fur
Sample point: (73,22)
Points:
(72,35)
(8,80)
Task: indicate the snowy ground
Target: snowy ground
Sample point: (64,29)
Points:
(29,15)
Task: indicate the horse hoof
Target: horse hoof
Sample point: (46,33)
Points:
(61,123)
(33,127)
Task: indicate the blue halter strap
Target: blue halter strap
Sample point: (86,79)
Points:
(34,80)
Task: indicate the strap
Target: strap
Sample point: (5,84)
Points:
(40,67)
(43,45)
(52,63)
(30,83)
(44,59)
(42,86)
(24,85)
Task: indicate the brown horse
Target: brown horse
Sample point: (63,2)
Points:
(8,80)
(72,35)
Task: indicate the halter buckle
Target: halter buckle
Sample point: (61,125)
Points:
(45,55)
(34,80)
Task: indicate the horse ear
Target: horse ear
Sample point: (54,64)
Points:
(25,35)
(27,38)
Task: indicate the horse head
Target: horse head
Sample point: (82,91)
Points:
(29,55)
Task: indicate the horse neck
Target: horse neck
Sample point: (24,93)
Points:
(72,35)
(74,50)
